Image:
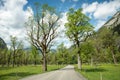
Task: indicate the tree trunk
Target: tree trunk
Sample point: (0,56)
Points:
(79,62)
(13,62)
(44,64)
(91,62)
(35,60)
(4,59)
(9,59)
(114,59)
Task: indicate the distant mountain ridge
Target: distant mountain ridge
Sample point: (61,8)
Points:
(3,45)
(114,23)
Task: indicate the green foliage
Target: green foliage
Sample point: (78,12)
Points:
(66,56)
(78,26)
(87,51)
(46,7)
(104,46)
(35,55)
(16,52)
(109,41)
(62,55)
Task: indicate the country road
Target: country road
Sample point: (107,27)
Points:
(67,73)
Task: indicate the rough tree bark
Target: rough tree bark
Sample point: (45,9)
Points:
(113,56)
(79,62)
(44,62)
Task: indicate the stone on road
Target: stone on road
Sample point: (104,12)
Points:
(67,73)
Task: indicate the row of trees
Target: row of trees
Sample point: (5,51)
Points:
(102,47)
(17,55)
(62,56)
(93,51)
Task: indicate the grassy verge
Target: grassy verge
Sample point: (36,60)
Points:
(9,73)
(101,72)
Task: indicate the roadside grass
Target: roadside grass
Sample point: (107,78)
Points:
(101,72)
(10,73)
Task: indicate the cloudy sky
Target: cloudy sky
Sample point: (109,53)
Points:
(14,13)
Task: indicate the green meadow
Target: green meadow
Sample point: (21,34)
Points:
(101,72)
(10,73)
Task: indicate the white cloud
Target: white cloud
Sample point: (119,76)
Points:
(62,38)
(63,20)
(89,8)
(63,1)
(107,9)
(12,19)
(101,11)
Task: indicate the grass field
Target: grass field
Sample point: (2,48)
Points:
(10,73)
(101,72)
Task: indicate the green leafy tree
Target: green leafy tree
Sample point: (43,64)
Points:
(64,55)
(88,52)
(16,50)
(61,54)
(78,29)
(35,54)
(110,42)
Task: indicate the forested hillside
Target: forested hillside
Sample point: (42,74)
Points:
(3,51)
(106,41)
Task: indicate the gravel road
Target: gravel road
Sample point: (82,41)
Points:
(67,73)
